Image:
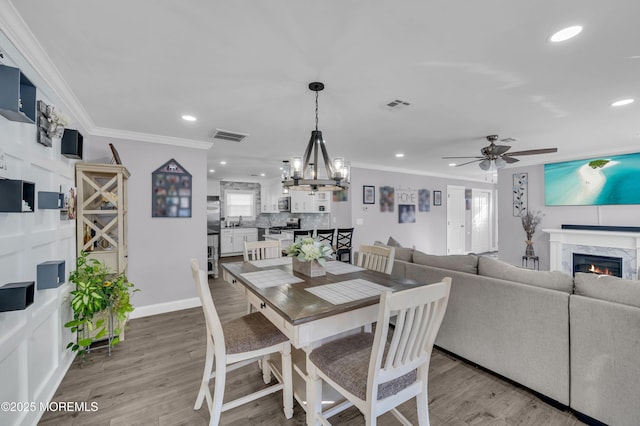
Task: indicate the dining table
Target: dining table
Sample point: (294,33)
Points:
(312,310)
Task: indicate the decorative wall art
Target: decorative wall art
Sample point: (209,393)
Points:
(424,200)
(171,191)
(341,195)
(51,123)
(406,213)
(437,198)
(611,180)
(520,193)
(386,198)
(368,194)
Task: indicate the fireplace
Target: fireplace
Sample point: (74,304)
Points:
(601,265)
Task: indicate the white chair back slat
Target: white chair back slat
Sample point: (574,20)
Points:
(376,258)
(419,315)
(260,250)
(214,326)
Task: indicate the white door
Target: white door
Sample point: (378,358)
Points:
(481,221)
(455,220)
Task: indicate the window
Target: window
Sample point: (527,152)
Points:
(239,203)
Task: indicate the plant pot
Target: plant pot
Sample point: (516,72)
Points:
(528,251)
(310,269)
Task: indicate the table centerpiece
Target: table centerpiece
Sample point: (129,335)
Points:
(309,256)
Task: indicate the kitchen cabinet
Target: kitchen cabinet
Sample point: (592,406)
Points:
(270,192)
(232,240)
(304,202)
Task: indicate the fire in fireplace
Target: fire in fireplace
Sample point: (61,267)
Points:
(602,265)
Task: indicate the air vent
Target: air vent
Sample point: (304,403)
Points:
(398,104)
(229,136)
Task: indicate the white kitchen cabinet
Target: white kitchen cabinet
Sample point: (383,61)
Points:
(268,198)
(304,202)
(232,240)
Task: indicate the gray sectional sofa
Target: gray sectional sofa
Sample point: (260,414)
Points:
(577,343)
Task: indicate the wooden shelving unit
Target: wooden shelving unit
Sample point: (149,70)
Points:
(102,213)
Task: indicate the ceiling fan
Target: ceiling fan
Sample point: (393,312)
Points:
(498,154)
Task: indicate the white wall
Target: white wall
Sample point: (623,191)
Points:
(428,234)
(33,354)
(160,248)
(512,235)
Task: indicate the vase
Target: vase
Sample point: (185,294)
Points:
(528,251)
(309,268)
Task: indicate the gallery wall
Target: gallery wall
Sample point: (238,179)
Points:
(512,235)
(428,233)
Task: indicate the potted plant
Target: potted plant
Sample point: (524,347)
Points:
(530,221)
(100,303)
(309,256)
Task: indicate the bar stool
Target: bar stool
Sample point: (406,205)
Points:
(343,244)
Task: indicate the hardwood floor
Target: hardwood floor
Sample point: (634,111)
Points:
(153,376)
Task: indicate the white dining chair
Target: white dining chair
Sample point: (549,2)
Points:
(259,250)
(376,374)
(237,343)
(376,258)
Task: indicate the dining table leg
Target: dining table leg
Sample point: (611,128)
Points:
(314,392)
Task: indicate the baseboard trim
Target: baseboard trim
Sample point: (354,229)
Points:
(163,308)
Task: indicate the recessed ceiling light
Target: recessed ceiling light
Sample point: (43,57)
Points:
(223,162)
(622,102)
(262,174)
(211,171)
(566,33)
(399,155)
(188,118)
(452,164)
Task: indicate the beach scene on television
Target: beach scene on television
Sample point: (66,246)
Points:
(597,181)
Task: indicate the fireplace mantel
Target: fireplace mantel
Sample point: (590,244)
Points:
(607,243)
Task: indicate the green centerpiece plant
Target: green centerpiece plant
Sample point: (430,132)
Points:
(101,303)
(309,256)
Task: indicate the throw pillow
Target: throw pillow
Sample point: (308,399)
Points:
(553,280)
(393,243)
(605,287)
(456,262)
(402,253)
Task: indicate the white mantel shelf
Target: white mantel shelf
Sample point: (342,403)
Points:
(606,240)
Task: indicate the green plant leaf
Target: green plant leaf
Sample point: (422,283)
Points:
(115,341)
(101,334)
(85,342)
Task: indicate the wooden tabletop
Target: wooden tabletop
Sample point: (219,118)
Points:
(297,306)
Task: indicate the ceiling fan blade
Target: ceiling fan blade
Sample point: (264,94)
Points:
(534,151)
(509,159)
(469,162)
(462,157)
(501,149)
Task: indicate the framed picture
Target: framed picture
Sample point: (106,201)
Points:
(437,198)
(368,194)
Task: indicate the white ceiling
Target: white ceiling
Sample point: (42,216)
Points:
(468,68)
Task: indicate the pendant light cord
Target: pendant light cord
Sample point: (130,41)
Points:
(316,111)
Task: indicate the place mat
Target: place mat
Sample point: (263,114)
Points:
(270,278)
(337,268)
(347,291)
(277,261)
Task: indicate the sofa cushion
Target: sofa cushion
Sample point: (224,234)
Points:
(402,253)
(606,287)
(553,280)
(456,262)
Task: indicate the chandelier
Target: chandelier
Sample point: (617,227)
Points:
(304,174)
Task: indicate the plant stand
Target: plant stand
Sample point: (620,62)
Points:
(111,323)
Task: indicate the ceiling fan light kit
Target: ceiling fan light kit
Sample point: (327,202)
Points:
(301,173)
(498,156)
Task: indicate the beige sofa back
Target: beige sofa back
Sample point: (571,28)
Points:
(605,348)
(518,331)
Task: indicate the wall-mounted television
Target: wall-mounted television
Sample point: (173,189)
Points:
(607,180)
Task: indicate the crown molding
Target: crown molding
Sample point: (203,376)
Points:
(403,170)
(150,138)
